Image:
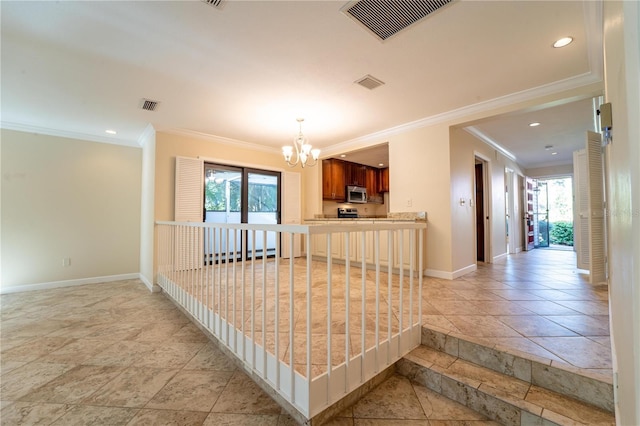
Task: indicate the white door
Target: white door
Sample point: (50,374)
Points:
(589,199)
(581,208)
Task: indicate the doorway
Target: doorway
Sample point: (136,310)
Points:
(242,195)
(482,210)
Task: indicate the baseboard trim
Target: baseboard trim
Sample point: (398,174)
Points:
(464,271)
(153,288)
(69,283)
(450,275)
(499,257)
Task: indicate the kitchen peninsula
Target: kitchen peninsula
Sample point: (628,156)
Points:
(363,248)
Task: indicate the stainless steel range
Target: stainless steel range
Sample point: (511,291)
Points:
(347,213)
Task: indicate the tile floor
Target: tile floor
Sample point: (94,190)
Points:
(114,353)
(535,302)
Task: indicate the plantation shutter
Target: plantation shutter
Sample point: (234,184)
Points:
(189,197)
(581,208)
(597,260)
(189,202)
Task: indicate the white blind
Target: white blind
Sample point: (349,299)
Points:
(189,189)
(596,208)
(581,189)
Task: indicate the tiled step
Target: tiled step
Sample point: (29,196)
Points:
(512,389)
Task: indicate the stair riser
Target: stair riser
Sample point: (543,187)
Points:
(538,372)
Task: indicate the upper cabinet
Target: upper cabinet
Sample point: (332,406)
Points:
(333,180)
(383,180)
(337,174)
(356,174)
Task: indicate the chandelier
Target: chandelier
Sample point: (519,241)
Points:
(302,150)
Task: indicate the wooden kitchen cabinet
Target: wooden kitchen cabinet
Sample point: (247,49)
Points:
(371,181)
(333,179)
(383,180)
(356,174)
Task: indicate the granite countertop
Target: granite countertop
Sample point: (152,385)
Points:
(391,217)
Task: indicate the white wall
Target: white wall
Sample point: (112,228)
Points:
(68,198)
(147,226)
(622,89)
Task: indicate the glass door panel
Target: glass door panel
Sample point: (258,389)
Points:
(223,204)
(263,207)
(241,195)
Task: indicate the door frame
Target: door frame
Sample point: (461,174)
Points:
(486,203)
(511,209)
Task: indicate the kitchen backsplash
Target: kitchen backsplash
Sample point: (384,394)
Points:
(330,208)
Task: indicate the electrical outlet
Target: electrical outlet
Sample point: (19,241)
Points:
(409,202)
(66,261)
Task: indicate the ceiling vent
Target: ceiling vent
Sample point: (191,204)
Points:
(369,82)
(215,3)
(388,17)
(148,104)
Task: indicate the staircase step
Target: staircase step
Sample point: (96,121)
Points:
(585,385)
(510,388)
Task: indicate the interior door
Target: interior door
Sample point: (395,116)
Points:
(480,243)
(529,239)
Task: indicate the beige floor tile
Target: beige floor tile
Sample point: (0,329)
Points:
(390,422)
(572,409)
(438,407)
(578,351)
(74,385)
(243,395)
(76,352)
(147,417)
(30,413)
(535,326)
(122,354)
(133,388)
(210,358)
(392,399)
(227,419)
(191,391)
(28,377)
(169,354)
(81,415)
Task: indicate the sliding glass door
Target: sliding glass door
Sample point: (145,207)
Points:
(241,195)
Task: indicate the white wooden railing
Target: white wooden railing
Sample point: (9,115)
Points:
(332,306)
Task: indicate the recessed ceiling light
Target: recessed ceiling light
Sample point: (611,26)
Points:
(563,42)
(343,155)
(534,124)
(380,164)
(554,153)
(111,132)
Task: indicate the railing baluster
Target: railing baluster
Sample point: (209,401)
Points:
(264,303)
(329,341)
(190,257)
(277,311)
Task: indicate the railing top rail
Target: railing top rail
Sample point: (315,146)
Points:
(305,229)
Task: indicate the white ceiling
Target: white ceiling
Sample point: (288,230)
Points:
(245,72)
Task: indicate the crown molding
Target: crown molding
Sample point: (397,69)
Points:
(28,128)
(222,140)
(486,139)
(460,114)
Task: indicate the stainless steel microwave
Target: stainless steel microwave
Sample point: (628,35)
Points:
(356,194)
